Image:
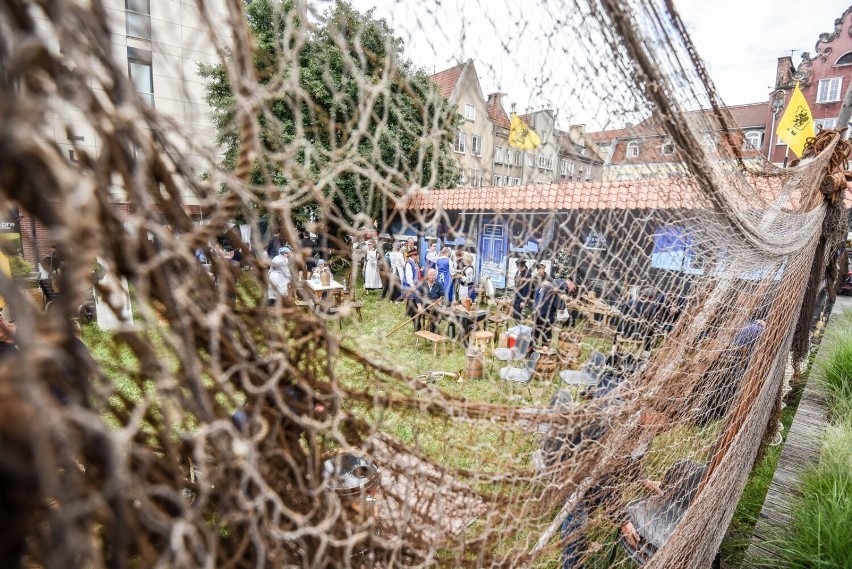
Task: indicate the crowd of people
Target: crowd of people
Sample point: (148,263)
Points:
(436,280)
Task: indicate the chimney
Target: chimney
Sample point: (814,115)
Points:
(784,71)
(495,98)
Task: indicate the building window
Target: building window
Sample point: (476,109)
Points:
(530,159)
(475,177)
(516,181)
(458,145)
(667,148)
(139,69)
(476,145)
(550,163)
(632,149)
(498,154)
(588,173)
(595,240)
(137,15)
(753,140)
(829,90)
(498,181)
(823,124)
(845,59)
(519,160)
(563,167)
(709,141)
(469,112)
(542,162)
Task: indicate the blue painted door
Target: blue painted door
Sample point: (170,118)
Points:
(493,244)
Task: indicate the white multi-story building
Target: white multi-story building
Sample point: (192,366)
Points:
(160,44)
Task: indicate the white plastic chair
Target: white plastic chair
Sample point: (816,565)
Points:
(522,375)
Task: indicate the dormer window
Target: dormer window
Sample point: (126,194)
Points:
(753,140)
(632,149)
(845,59)
(667,148)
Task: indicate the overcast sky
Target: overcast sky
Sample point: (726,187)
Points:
(523,48)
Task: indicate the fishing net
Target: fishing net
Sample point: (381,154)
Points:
(212,427)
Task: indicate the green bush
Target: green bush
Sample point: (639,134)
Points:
(19,266)
(820,534)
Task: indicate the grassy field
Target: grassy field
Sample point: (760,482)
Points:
(458,443)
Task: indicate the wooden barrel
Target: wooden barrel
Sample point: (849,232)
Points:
(474,364)
(569,347)
(547,363)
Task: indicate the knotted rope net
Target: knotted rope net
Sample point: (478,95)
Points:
(219,429)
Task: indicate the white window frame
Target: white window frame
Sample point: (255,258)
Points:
(824,123)
(563,167)
(748,140)
(475,145)
(498,154)
(519,158)
(475,177)
(550,163)
(137,16)
(469,112)
(542,162)
(632,149)
(516,181)
(667,143)
(139,62)
(826,86)
(459,143)
(589,173)
(497,181)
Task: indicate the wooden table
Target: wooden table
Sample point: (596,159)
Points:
(316,287)
(592,308)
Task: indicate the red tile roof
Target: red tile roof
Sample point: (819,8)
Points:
(446,80)
(754,114)
(606,135)
(497,113)
(658,193)
(664,193)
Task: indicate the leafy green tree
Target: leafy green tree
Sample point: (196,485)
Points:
(342,111)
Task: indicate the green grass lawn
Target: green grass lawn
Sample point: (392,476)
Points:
(472,448)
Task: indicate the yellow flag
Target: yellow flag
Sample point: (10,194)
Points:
(797,123)
(521,136)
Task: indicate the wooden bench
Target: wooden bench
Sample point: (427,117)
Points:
(431,337)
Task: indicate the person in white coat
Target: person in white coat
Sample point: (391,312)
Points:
(372,280)
(397,276)
(279,275)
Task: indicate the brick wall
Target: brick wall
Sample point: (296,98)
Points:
(36,248)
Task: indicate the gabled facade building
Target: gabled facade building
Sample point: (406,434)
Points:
(646,151)
(823,79)
(473,144)
(482,144)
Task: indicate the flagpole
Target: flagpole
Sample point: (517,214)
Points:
(845,113)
